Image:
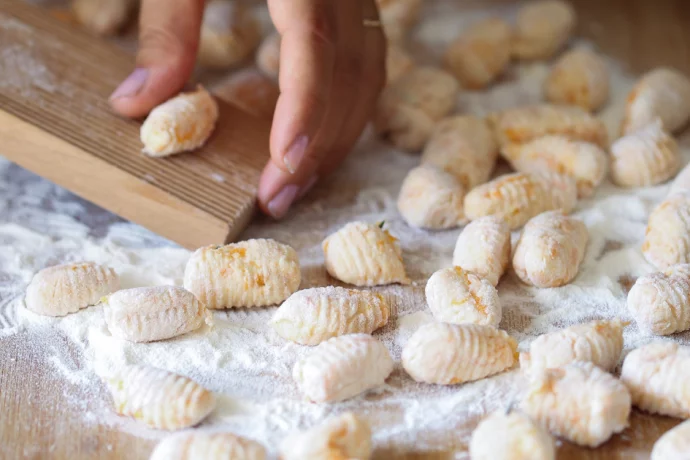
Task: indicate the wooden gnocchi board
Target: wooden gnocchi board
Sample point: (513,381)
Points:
(55,120)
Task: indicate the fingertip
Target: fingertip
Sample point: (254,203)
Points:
(279,191)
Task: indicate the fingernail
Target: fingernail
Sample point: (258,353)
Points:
(280,204)
(308,186)
(132,84)
(295,153)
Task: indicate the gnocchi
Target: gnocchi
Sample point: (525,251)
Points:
(397,16)
(251,91)
(252,273)
(64,289)
(516,198)
(543,28)
(398,62)
(674,444)
(268,55)
(645,157)
(431,198)
(207,446)
(344,437)
(581,78)
(229,34)
(314,315)
(667,237)
(103,17)
(460,297)
(364,254)
(180,124)
(483,247)
(153,313)
(578,402)
(656,375)
(158,398)
(343,367)
(439,353)
(550,250)
(511,436)
(682,181)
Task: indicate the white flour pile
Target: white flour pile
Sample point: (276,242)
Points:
(244,360)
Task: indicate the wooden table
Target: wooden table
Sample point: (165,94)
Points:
(36,423)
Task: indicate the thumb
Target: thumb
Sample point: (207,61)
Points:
(168,42)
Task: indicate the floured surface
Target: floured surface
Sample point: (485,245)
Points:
(242,358)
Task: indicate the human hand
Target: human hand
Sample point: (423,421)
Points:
(332,68)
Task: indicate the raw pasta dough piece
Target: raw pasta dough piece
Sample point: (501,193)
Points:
(459,297)
(578,402)
(447,354)
(585,162)
(207,446)
(229,34)
(364,254)
(516,198)
(268,55)
(146,314)
(180,124)
(251,91)
(398,62)
(103,17)
(483,247)
(674,444)
(431,198)
(667,238)
(64,289)
(599,342)
(512,436)
(581,78)
(660,302)
(542,28)
(397,16)
(550,250)
(346,437)
(657,376)
(158,398)
(312,316)
(252,273)
(645,157)
(343,367)
(682,181)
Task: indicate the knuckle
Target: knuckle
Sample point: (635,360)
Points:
(349,71)
(156,42)
(323,31)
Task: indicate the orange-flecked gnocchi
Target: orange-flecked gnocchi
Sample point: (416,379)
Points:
(364,254)
(268,55)
(431,198)
(199,445)
(660,302)
(464,146)
(397,17)
(312,316)
(64,289)
(516,198)
(344,437)
(542,29)
(481,53)
(103,17)
(180,124)
(398,62)
(146,314)
(483,247)
(550,250)
(674,444)
(667,238)
(251,91)
(581,78)
(511,436)
(585,162)
(657,376)
(229,34)
(460,297)
(599,342)
(158,398)
(252,273)
(447,354)
(662,93)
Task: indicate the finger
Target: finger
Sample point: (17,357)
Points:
(278,189)
(168,41)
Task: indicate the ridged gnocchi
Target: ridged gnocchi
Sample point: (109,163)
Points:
(481,53)
(229,34)
(662,93)
(314,315)
(511,436)
(460,297)
(64,289)
(578,402)
(398,62)
(667,237)
(343,437)
(431,198)
(207,446)
(550,250)
(440,353)
(180,124)
(268,55)
(103,17)
(252,273)
(657,376)
(585,162)
(542,28)
(674,444)
(158,398)
(364,254)
(599,342)
(251,91)
(682,181)
(483,247)
(516,198)
(146,314)
(645,157)
(580,77)
(343,367)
